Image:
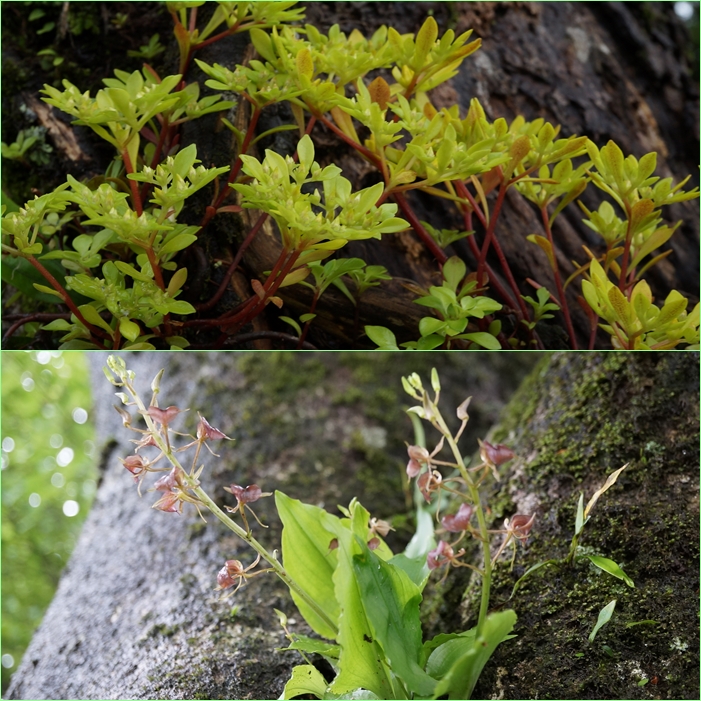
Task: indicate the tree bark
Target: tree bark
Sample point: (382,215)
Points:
(135,614)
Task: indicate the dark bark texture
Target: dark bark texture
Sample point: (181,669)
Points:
(615,70)
(135,614)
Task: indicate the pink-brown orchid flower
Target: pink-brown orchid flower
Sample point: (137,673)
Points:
(459,522)
(516,528)
(139,467)
(244,497)
(443,555)
(234,573)
(205,432)
(428,483)
(420,457)
(492,457)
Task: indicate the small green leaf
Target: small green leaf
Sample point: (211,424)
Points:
(481,338)
(641,623)
(604,617)
(579,521)
(453,272)
(382,337)
(129,329)
(611,567)
(425,39)
(178,306)
(177,243)
(305,151)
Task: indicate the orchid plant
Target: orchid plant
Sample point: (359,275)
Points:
(356,595)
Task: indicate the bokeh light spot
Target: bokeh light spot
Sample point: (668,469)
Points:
(65,457)
(80,416)
(71,508)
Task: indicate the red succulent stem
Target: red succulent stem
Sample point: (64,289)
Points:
(233,173)
(408,212)
(516,302)
(136,197)
(234,264)
(66,298)
(372,157)
(312,309)
(489,235)
(558,281)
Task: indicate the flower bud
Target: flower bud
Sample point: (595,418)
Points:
(374,543)
(168,482)
(135,464)
(170,502)
(413,468)
(462,410)
(418,453)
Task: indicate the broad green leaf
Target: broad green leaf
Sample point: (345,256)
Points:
(360,664)
(391,602)
(611,567)
(20,273)
(604,617)
(305,679)
(460,679)
(446,649)
(309,560)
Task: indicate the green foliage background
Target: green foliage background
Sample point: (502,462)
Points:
(41,392)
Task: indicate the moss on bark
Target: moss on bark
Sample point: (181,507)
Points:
(576,419)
